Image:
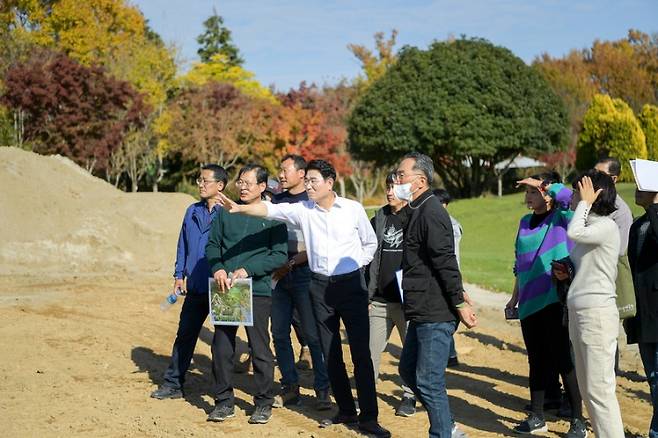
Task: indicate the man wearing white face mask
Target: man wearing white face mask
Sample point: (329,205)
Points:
(433,292)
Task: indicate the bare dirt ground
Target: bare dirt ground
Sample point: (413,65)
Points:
(80,357)
(83,268)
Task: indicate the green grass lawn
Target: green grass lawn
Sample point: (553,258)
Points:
(490,225)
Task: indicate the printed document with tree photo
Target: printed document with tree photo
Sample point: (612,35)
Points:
(233,307)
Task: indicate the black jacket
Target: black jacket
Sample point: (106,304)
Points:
(644,326)
(431,280)
(378,222)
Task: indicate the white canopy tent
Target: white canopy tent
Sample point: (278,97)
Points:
(519,162)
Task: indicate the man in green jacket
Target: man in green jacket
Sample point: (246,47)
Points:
(239,247)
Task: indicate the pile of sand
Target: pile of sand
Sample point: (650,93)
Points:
(57,219)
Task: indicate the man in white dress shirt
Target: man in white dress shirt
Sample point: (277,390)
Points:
(339,242)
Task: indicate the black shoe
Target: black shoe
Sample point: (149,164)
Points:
(221,413)
(339,419)
(165,392)
(373,428)
(577,429)
(304,361)
(407,407)
(532,424)
(261,415)
(322,400)
(453,362)
(289,396)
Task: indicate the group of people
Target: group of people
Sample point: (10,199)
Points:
(316,261)
(567,255)
(314,254)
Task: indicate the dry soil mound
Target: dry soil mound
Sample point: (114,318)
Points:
(56,218)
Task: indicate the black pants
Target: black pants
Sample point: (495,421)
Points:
(345,298)
(192,315)
(547,342)
(223,354)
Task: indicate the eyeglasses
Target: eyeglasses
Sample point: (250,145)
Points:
(313,182)
(248,185)
(401,175)
(203,182)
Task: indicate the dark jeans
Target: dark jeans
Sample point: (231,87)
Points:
(649,354)
(297,326)
(192,315)
(547,342)
(292,293)
(223,354)
(345,297)
(453,350)
(423,366)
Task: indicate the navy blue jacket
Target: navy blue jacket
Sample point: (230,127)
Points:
(191,260)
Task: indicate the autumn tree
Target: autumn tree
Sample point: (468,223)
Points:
(375,63)
(216,40)
(91,31)
(610,129)
(649,121)
(213,123)
(571,79)
(70,109)
(617,71)
(219,69)
(466,103)
(312,124)
(20,29)
(110,33)
(137,160)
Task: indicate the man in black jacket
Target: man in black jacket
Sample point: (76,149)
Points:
(643,258)
(385,308)
(432,292)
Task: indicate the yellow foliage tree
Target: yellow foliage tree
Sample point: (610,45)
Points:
(610,129)
(148,66)
(92,31)
(218,69)
(374,65)
(649,122)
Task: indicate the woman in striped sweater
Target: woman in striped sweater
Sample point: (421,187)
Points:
(541,239)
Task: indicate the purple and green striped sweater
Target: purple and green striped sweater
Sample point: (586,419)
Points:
(535,250)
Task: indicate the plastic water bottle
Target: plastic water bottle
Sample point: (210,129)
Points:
(170,300)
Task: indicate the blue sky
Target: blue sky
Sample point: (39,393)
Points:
(287,41)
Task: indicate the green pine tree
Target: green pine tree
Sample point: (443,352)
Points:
(217,39)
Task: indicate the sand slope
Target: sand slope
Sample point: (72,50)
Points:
(57,218)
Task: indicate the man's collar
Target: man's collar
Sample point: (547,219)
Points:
(426,194)
(338,202)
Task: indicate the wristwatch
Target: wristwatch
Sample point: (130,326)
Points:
(291,264)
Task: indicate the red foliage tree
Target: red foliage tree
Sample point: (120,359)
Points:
(70,109)
(313,125)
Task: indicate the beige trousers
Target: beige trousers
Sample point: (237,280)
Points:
(593,333)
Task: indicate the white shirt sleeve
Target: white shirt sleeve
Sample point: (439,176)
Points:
(290,213)
(581,231)
(366,235)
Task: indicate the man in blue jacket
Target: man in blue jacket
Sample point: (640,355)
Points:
(192,270)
